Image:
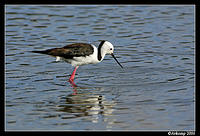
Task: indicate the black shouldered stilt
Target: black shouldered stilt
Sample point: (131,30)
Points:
(78,54)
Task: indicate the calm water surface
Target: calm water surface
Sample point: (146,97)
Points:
(154,91)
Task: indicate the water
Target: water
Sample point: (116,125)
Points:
(154,91)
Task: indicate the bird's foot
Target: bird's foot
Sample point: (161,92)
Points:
(71,80)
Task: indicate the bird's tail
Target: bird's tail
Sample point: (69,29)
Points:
(42,52)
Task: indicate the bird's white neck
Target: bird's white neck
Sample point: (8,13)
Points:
(101,53)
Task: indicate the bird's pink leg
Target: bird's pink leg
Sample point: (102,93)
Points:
(71,79)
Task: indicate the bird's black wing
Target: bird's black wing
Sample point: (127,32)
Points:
(70,51)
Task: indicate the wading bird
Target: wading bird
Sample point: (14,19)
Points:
(78,54)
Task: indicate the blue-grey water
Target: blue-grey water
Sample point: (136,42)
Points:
(154,91)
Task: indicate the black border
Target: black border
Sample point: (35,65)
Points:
(100,2)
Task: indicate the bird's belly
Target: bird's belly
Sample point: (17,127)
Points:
(77,61)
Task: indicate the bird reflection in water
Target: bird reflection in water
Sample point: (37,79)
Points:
(85,101)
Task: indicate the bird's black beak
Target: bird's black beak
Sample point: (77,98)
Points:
(116,60)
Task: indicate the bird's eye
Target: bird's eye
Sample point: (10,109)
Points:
(110,48)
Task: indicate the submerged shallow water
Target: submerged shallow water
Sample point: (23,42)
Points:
(154,91)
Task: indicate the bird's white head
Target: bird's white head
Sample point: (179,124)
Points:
(106,47)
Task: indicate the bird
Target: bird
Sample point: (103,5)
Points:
(78,54)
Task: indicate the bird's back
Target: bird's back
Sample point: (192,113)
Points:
(69,51)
